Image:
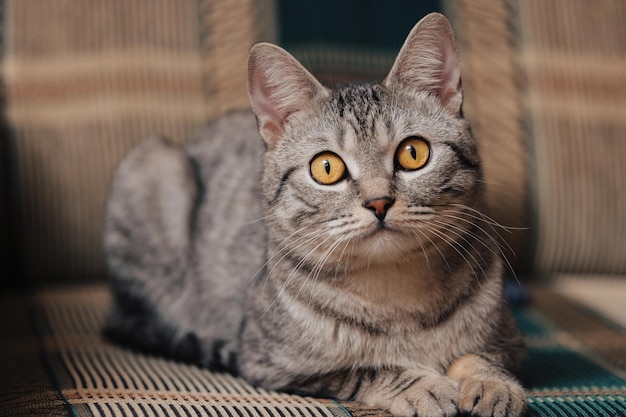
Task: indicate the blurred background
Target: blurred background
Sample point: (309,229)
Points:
(83,82)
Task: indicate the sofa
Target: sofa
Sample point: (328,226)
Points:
(83,82)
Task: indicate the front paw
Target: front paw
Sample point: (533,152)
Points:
(427,396)
(491,396)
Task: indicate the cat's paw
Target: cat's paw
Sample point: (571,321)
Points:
(486,397)
(430,396)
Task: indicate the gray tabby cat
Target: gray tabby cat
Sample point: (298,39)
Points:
(345,255)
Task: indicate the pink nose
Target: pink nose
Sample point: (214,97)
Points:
(379,206)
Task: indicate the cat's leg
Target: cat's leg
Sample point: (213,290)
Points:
(486,389)
(403,392)
(146,241)
(410,392)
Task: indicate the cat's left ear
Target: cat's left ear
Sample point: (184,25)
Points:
(278,86)
(429,61)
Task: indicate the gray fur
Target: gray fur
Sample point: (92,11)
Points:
(225,251)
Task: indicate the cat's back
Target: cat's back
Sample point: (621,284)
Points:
(183,235)
(229,143)
(228,231)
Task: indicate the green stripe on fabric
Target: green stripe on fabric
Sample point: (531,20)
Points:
(528,324)
(557,366)
(342,408)
(562,374)
(576,406)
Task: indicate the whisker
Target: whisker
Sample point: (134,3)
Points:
(285,242)
(319,266)
(424,251)
(451,228)
(489,220)
(460,229)
(292,274)
(443,257)
(453,244)
(498,241)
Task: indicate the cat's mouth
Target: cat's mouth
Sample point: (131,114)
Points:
(381,228)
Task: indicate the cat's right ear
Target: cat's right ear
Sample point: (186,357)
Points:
(278,86)
(429,61)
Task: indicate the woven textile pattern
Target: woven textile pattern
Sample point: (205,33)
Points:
(545,88)
(87,81)
(87,376)
(55,362)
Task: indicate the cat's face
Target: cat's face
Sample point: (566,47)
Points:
(365,171)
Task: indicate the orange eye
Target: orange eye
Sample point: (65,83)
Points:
(327,168)
(412,154)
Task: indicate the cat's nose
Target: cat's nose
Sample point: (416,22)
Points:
(379,206)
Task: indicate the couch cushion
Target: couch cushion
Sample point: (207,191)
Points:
(84,84)
(544,83)
(55,362)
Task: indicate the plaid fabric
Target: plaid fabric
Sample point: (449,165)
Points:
(86,81)
(544,83)
(55,363)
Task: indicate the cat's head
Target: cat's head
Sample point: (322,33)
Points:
(365,169)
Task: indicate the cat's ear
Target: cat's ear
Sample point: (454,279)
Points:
(429,61)
(278,86)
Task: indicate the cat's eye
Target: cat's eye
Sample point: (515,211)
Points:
(412,154)
(327,168)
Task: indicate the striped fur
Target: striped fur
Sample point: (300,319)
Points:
(302,287)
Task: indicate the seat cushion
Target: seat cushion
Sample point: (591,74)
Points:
(56,363)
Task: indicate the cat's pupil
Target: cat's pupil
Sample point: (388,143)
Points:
(327,166)
(411,149)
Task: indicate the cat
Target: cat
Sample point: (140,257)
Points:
(344,255)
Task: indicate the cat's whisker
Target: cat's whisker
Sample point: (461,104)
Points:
(260,219)
(285,243)
(498,241)
(443,257)
(463,234)
(339,263)
(471,234)
(422,247)
(318,268)
(487,219)
(454,245)
(305,240)
(292,274)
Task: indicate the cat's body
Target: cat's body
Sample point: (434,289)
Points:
(359,267)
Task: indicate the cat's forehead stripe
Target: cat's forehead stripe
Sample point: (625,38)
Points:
(360,106)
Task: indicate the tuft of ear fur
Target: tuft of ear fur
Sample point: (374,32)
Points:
(429,61)
(278,86)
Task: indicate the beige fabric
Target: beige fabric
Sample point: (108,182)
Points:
(574,56)
(85,82)
(603,294)
(545,87)
(58,364)
(493,106)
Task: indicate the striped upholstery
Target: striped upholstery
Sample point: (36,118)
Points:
(55,341)
(545,86)
(85,82)
(82,82)
(56,363)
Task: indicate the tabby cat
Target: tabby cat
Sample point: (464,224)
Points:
(344,255)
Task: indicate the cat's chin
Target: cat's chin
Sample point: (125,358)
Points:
(384,242)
